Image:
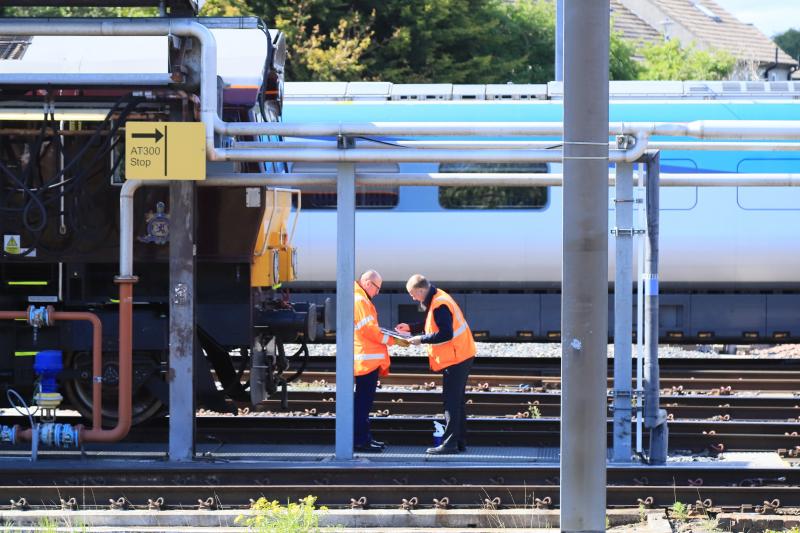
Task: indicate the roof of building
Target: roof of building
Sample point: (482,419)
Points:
(709,25)
(631,26)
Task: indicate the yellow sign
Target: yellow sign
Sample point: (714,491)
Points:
(165,151)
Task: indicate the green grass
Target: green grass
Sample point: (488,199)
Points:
(272,517)
(680,511)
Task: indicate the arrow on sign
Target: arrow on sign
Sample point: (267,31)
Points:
(157,135)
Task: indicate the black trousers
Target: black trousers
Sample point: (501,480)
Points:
(454,383)
(365,395)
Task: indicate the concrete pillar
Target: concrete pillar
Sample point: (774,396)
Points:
(655,418)
(182,336)
(559,51)
(623,311)
(345,276)
(584,302)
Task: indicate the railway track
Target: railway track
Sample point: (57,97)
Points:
(720,376)
(536,405)
(696,436)
(386,485)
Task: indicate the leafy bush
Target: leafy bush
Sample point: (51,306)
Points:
(272,517)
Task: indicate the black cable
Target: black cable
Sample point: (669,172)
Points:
(38,197)
(387,143)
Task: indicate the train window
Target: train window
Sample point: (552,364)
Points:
(324,196)
(493,197)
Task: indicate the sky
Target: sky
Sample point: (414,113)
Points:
(769,16)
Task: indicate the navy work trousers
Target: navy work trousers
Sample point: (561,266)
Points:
(454,384)
(365,395)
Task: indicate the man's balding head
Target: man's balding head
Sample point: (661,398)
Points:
(371,282)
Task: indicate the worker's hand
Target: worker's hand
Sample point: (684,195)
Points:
(416,341)
(402,343)
(402,328)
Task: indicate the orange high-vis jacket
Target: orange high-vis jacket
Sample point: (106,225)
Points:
(370,345)
(458,349)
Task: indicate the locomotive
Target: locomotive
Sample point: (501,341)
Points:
(62,149)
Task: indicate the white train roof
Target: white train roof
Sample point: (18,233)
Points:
(298,91)
(241,55)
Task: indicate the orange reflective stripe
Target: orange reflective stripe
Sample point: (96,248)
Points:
(369,356)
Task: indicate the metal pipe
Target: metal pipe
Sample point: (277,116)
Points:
(623,310)
(125,388)
(505,179)
(700,129)
(345,302)
(97,356)
(584,300)
(723,146)
(140,26)
(641,223)
(97,359)
(70,79)
(718,146)
(400,155)
(403,143)
(654,416)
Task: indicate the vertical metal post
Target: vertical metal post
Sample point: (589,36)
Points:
(623,311)
(641,224)
(181,320)
(584,301)
(559,52)
(654,418)
(345,276)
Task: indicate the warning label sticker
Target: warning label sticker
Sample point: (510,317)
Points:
(12,245)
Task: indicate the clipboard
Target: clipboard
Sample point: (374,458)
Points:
(394,334)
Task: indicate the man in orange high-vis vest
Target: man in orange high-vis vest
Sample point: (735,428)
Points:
(371,358)
(451,351)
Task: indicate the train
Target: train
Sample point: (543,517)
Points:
(266,267)
(729,260)
(62,153)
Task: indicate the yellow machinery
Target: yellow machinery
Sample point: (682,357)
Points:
(274,257)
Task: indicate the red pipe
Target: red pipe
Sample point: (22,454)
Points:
(97,358)
(124,407)
(125,402)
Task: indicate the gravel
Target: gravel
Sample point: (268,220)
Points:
(517,349)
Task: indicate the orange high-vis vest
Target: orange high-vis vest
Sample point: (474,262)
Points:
(369,344)
(458,349)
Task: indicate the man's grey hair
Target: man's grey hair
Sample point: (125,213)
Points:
(418,281)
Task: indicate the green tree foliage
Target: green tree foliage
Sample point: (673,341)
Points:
(225,8)
(424,41)
(462,41)
(403,41)
(671,61)
(621,64)
(789,41)
(91,12)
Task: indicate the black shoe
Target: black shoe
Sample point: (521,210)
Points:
(442,450)
(378,443)
(462,446)
(368,448)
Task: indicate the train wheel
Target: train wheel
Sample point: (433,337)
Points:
(78,391)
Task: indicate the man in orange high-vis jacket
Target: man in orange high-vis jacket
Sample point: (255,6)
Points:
(371,358)
(451,351)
